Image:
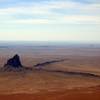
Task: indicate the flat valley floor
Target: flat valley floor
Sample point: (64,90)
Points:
(65,72)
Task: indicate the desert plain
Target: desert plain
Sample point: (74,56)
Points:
(58,72)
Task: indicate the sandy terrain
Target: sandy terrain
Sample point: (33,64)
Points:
(54,79)
(41,85)
(81,94)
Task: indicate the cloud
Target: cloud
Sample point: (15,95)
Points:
(47,6)
(31,21)
(24,10)
(52,12)
(75,19)
(82,19)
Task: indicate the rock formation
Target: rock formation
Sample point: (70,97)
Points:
(14,62)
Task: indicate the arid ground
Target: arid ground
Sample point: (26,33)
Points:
(59,72)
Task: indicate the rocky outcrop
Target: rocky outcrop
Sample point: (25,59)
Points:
(14,62)
(48,63)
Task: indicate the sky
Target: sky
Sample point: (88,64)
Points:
(50,20)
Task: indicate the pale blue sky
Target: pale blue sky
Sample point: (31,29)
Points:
(50,20)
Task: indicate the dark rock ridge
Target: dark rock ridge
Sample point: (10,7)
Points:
(14,62)
(84,74)
(48,62)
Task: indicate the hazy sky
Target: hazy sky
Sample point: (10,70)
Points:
(50,20)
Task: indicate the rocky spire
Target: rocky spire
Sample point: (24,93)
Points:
(14,62)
